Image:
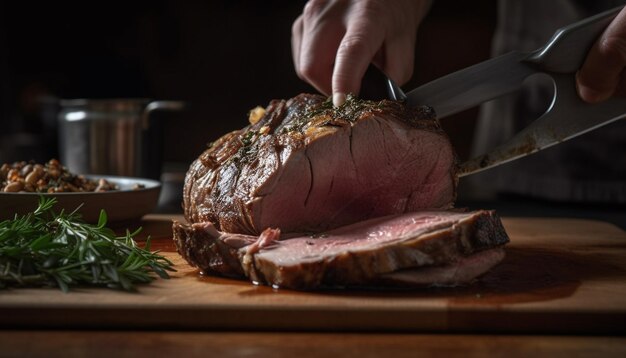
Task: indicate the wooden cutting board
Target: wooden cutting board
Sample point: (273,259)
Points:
(559,276)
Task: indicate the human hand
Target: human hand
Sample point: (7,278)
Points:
(604,72)
(334,41)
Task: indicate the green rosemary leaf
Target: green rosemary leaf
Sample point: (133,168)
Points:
(148,244)
(62,284)
(44,248)
(102,219)
(44,242)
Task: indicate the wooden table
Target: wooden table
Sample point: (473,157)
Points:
(560,292)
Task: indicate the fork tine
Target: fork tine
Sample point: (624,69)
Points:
(567,117)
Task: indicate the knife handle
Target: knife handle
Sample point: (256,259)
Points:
(567,49)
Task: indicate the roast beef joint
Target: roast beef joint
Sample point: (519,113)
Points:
(310,195)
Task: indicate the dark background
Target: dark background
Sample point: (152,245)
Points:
(222,57)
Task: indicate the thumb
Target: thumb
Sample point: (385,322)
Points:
(600,75)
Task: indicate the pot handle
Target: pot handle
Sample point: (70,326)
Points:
(157,106)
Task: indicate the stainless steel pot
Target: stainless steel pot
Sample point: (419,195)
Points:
(112,136)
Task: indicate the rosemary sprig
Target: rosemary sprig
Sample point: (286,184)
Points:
(44,248)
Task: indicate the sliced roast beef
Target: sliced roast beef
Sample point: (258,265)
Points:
(310,195)
(418,248)
(303,165)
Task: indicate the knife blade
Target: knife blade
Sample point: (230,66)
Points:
(474,85)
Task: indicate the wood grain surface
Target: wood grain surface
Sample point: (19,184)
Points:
(559,276)
(109,344)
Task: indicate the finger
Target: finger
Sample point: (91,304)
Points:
(296,42)
(599,76)
(362,40)
(322,31)
(399,59)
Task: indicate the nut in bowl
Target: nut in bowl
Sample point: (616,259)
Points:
(123,198)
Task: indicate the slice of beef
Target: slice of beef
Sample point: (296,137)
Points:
(305,166)
(419,248)
(205,247)
(463,271)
